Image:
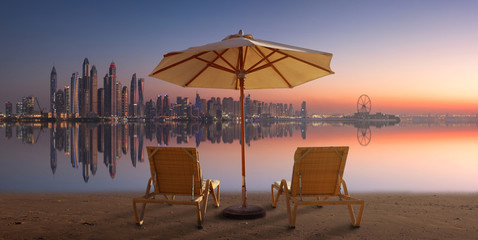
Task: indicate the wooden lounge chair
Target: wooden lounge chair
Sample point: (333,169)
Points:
(176,172)
(317,180)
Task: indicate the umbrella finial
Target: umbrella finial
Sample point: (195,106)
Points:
(239,34)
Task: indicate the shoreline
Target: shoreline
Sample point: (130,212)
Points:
(387,215)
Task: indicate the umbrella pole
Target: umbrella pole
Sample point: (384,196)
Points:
(243,211)
(243,151)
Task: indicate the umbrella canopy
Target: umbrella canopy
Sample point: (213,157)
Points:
(266,65)
(241,62)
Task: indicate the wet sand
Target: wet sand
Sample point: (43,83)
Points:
(110,216)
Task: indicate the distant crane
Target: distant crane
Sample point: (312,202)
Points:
(39,107)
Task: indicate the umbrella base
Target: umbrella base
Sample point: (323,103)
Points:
(240,212)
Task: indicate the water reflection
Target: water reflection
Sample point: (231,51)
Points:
(82,142)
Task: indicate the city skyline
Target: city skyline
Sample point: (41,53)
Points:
(409,57)
(86,100)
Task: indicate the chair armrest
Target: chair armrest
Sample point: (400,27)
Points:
(148,187)
(344,186)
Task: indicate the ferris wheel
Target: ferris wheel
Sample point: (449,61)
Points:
(364,135)
(364,104)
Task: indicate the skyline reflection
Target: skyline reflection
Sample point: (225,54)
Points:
(98,157)
(83,141)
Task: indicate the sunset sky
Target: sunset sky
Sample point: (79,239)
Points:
(408,56)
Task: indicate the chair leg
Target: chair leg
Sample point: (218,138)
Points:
(216,196)
(198,207)
(139,219)
(294,216)
(276,198)
(272,194)
(289,215)
(356,220)
(318,205)
(204,206)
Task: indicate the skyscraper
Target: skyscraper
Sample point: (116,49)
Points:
(19,108)
(114,99)
(198,100)
(150,110)
(52,89)
(124,101)
(8,109)
(84,89)
(67,93)
(132,96)
(140,97)
(248,106)
(28,104)
(303,111)
(108,90)
(228,106)
(101,101)
(59,102)
(159,105)
(118,89)
(93,90)
(74,94)
(166,106)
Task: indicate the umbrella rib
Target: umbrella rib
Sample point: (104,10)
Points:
(227,62)
(269,64)
(262,59)
(175,64)
(273,67)
(212,64)
(306,62)
(244,58)
(202,70)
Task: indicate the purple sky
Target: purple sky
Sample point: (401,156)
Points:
(408,56)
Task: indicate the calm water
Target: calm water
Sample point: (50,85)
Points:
(98,157)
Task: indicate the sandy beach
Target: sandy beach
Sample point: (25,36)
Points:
(110,216)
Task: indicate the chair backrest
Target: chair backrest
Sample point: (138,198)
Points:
(318,170)
(175,170)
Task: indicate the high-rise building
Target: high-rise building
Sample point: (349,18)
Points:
(118,89)
(52,89)
(114,99)
(303,111)
(28,103)
(59,102)
(248,106)
(203,107)
(84,89)
(124,101)
(67,93)
(211,107)
(132,97)
(19,108)
(8,109)
(101,102)
(228,106)
(93,90)
(86,70)
(150,109)
(108,92)
(198,101)
(140,97)
(159,105)
(74,94)
(166,111)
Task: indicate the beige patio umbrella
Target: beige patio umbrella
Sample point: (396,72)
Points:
(241,62)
